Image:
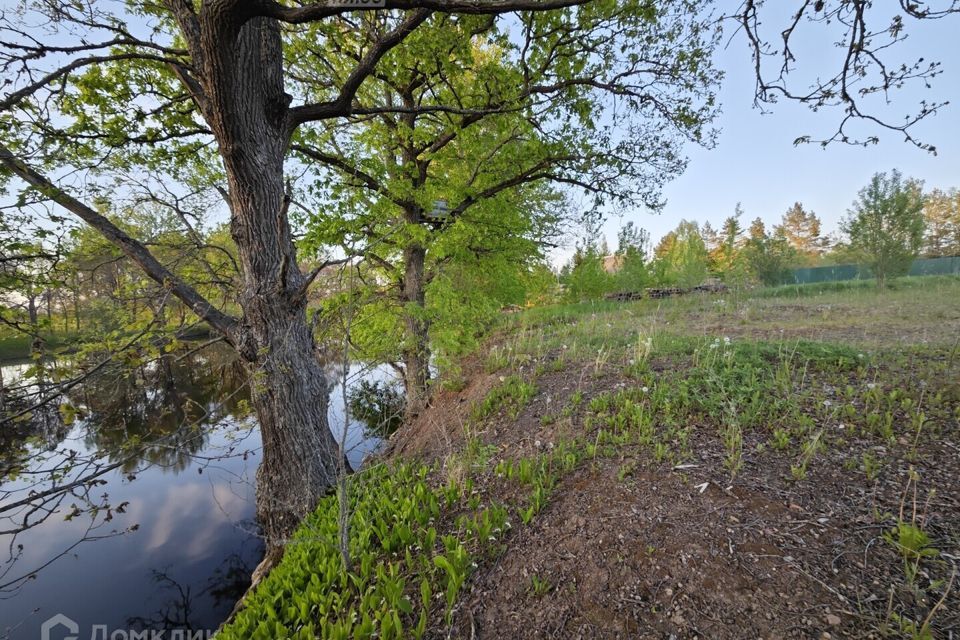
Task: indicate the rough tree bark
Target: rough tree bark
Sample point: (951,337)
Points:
(416,352)
(245,104)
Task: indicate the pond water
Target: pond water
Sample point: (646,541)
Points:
(137,513)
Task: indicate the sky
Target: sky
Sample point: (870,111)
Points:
(755,162)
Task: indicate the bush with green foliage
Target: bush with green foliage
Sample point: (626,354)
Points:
(768,259)
(681,257)
(586,278)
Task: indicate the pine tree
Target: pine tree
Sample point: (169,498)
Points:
(802,230)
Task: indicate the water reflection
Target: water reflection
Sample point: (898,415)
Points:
(132,504)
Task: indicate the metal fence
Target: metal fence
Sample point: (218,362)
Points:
(920,267)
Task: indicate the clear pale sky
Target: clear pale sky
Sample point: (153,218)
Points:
(756,163)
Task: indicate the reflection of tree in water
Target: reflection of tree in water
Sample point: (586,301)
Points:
(157,412)
(43,429)
(224,587)
(131,418)
(162,411)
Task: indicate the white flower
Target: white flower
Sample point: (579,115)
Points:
(827,403)
(645,389)
(726,340)
(871,385)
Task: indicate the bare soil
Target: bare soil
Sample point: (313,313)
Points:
(631,548)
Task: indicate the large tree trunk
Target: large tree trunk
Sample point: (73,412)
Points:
(416,352)
(243,83)
(290,396)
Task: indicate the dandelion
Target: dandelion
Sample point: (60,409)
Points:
(726,340)
(871,385)
(645,389)
(827,403)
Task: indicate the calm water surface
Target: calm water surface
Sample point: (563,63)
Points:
(163,536)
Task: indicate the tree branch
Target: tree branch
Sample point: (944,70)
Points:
(225,324)
(342,104)
(15,97)
(350,169)
(301,292)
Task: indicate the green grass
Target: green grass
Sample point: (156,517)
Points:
(866,285)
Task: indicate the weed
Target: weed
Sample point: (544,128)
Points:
(497,359)
(908,536)
(661,451)
(577,398)
(512,395)
(871,466)
(807,451)
(781,439)
(600,363)
(732,436)
(539,587)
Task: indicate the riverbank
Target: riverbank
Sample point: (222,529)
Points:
(775,464)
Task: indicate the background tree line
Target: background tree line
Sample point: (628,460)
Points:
(891,223)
